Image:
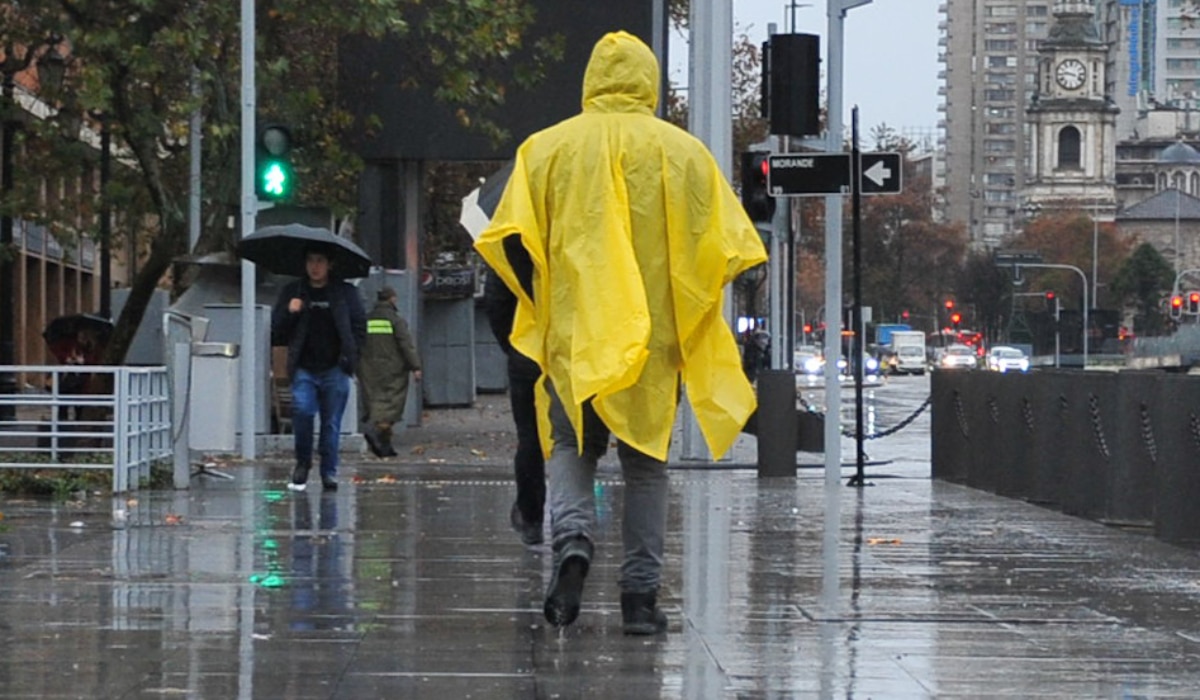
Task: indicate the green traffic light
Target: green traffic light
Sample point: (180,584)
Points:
(275,180)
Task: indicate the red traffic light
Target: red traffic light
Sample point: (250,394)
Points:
(904,314)
(1049,296)
(949,303)
(955,318)
(1176,302)
(1194,297)
(808,328)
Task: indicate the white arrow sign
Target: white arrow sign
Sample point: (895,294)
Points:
(881,173)
(878,174)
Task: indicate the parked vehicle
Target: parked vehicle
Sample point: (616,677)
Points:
(1003,358)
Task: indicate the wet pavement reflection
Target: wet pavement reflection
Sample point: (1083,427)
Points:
(408,582)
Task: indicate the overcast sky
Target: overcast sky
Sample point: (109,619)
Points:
(889,60)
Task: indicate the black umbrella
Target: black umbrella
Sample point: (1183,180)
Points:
(479,206)
(79,338)
(281,249)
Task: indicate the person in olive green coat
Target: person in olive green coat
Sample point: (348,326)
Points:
(388,357)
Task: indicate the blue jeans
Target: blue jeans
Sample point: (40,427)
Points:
(324,392)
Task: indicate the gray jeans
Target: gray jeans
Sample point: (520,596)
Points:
(573,502)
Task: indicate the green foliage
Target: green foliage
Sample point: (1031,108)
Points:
(1144,280)
(148,65)
(63,482)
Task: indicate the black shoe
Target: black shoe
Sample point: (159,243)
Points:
(531,533)
(328,483)
(565,594)
(387,449)
(299,477)
(640,614)
(374,443)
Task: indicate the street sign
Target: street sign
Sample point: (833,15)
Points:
(818,174)
(881,173)
(1016,257)
(808,174)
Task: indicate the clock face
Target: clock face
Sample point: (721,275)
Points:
(1070,74)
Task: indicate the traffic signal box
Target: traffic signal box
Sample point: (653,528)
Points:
(1193,303)
(759,204)
(273,173)
(791,87)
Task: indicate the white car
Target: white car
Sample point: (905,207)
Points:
(1003,358)
(957,357)
(807,359)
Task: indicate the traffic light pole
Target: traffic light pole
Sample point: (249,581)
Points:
(249,353)
(836,11)
(1059,266)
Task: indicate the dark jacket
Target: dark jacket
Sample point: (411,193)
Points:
(388,356)
(501,306)
(348,316)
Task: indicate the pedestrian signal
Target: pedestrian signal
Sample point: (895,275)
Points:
(273,175)
(759,204)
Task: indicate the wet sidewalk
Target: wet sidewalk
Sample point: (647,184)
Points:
(408,583)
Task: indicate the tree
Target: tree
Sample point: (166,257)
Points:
(1065,237)
(135,63)
(909,261)
(1143,281)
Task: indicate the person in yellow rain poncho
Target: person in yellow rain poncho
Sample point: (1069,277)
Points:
(627,233)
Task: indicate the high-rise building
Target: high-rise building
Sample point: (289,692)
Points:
(990,57)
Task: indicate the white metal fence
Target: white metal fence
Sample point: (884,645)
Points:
(88,417)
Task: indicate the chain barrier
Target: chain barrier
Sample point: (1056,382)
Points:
(895,428)
(1147,432)
(1097,425)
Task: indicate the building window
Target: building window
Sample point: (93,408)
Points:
(1069,148)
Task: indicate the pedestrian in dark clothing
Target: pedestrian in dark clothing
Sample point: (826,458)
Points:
(321,321)
(388,357)
(529,465)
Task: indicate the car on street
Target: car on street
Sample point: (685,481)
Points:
(870,369)
(808,360)
(1004,358)
(957,356)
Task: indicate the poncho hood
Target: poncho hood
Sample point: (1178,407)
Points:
(621,76)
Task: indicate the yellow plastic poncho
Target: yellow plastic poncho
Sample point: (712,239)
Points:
(633,233)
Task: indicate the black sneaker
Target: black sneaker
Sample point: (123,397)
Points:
(565,594)
(530,533)
(299,477)
(328,483)
(640,614)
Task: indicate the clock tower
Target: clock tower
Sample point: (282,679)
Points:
(1072,121)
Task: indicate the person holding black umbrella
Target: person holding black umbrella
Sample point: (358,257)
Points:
(322,322)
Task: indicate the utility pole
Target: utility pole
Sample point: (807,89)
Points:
(710,118)
(836,11)
(249,352)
